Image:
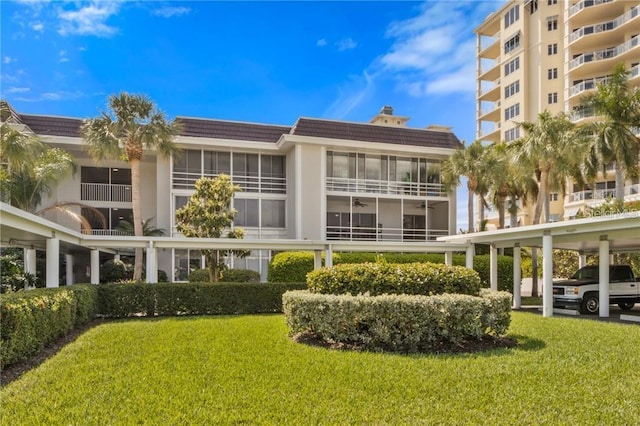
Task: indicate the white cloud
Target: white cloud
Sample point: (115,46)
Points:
(359,89)
(89,19)
(168,11)
(37,26)
(321,42)
(346,44)
(53,96)
(8,60)
(17,90)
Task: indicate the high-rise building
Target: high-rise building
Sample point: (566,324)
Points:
(534,55)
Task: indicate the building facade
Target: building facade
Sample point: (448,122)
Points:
(315,180)
(534,55)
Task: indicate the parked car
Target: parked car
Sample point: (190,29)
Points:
(581,290)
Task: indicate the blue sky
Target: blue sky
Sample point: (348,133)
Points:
(267,62)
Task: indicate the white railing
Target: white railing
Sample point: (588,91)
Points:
(604,26)
(599,55)
(589,84)
(347,233)
(107,232)
(584,4)
(597,194)
(635,71)
(385,187)
(264,184)
(582,113)
(105,192)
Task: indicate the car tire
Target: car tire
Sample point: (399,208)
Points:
(590,304)
(626,306)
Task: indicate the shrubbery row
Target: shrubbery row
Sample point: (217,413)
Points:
(294,266)
(385,278)
(403,323)
(31,320)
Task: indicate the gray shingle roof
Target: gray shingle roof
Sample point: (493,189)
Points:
(52,126)
(220,129)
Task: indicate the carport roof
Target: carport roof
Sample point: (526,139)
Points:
(622,230)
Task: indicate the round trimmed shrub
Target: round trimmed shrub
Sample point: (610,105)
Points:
(199,276)
(384,278)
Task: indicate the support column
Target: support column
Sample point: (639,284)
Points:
(30,261)
(603,288)
(317,259)
(448,258)
(517,277)
(152,264)
(471,250)
(582,259)
(328,257)
(493,267)
(547,274)
(95,266)
(69,269)
(53,262)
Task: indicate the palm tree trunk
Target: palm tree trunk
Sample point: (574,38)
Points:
(513,213)
(501,210)
(534,272)
(137,215)
(542,195)
(481,226)
(470,210)
(619,182)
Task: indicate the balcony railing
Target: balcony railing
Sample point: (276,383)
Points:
(604,26)
(105,192)
(582,113)
(599,55)
(346,233)
(264,184)
(584,4)
(385,187)
(105,232)
(635,71)
(589,84)
(591,194)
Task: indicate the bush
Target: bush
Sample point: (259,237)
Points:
(240,276)
(199,276)
(113,271)
(385,278)
(404,323)
(124,300)
(294,266)
(32,319)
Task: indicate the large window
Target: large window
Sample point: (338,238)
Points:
(215,163)
(552,49)
(512,134)
(512,16)
(512,44)
(552,23)
(247,212)
(273,214)
(512,89)
(512,111)
(512,66)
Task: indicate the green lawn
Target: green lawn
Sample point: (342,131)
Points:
(245,370)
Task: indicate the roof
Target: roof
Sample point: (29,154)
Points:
(220,129)
(375,133)
(52,126)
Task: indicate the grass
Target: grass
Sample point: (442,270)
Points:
(232,370)
(530,301)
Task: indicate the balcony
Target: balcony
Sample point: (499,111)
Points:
(591,194)
(582,114)
(586,85)
(587,9)
(605,57)
(264,184)
(105,232)
(105,192)
(635,72)
(601,27)
(492,51)
(372,186)
(360,233)
(492,94)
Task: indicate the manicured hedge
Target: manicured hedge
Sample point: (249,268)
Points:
(32,319)
(228,276)
(404,323)
(166,299)
(386,278)
(294,266)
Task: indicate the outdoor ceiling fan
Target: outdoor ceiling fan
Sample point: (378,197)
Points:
(358,203)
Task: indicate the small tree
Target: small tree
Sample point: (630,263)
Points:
(208,214)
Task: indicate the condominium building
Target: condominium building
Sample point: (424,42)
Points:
(534,55)
(322,180)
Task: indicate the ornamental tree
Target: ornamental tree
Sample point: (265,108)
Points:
(208,214)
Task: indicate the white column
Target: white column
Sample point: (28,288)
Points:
(493,267)
(547,275)
(603,288)
(69,268)
(517,277)
(317,259)
(95,266)
(53,262)
(152,264)
(448,258)
(116,257)
(582,259)
(30,260)
(469,255)
(328,257)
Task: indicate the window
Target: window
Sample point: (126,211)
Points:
(512,89)
(552,73)
(551,2)
(512,16)
(512,44)
(512,66)
(272,214)
(552,23)
(553,98)
(553,196)
(216,162)
(512,134)
(552,49)
(533,6)
(512,111)
(247,212)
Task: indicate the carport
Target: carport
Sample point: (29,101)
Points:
(602,235)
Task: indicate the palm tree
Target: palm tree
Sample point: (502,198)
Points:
(148,230)
(618,107)
(132,124)
(469,162)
